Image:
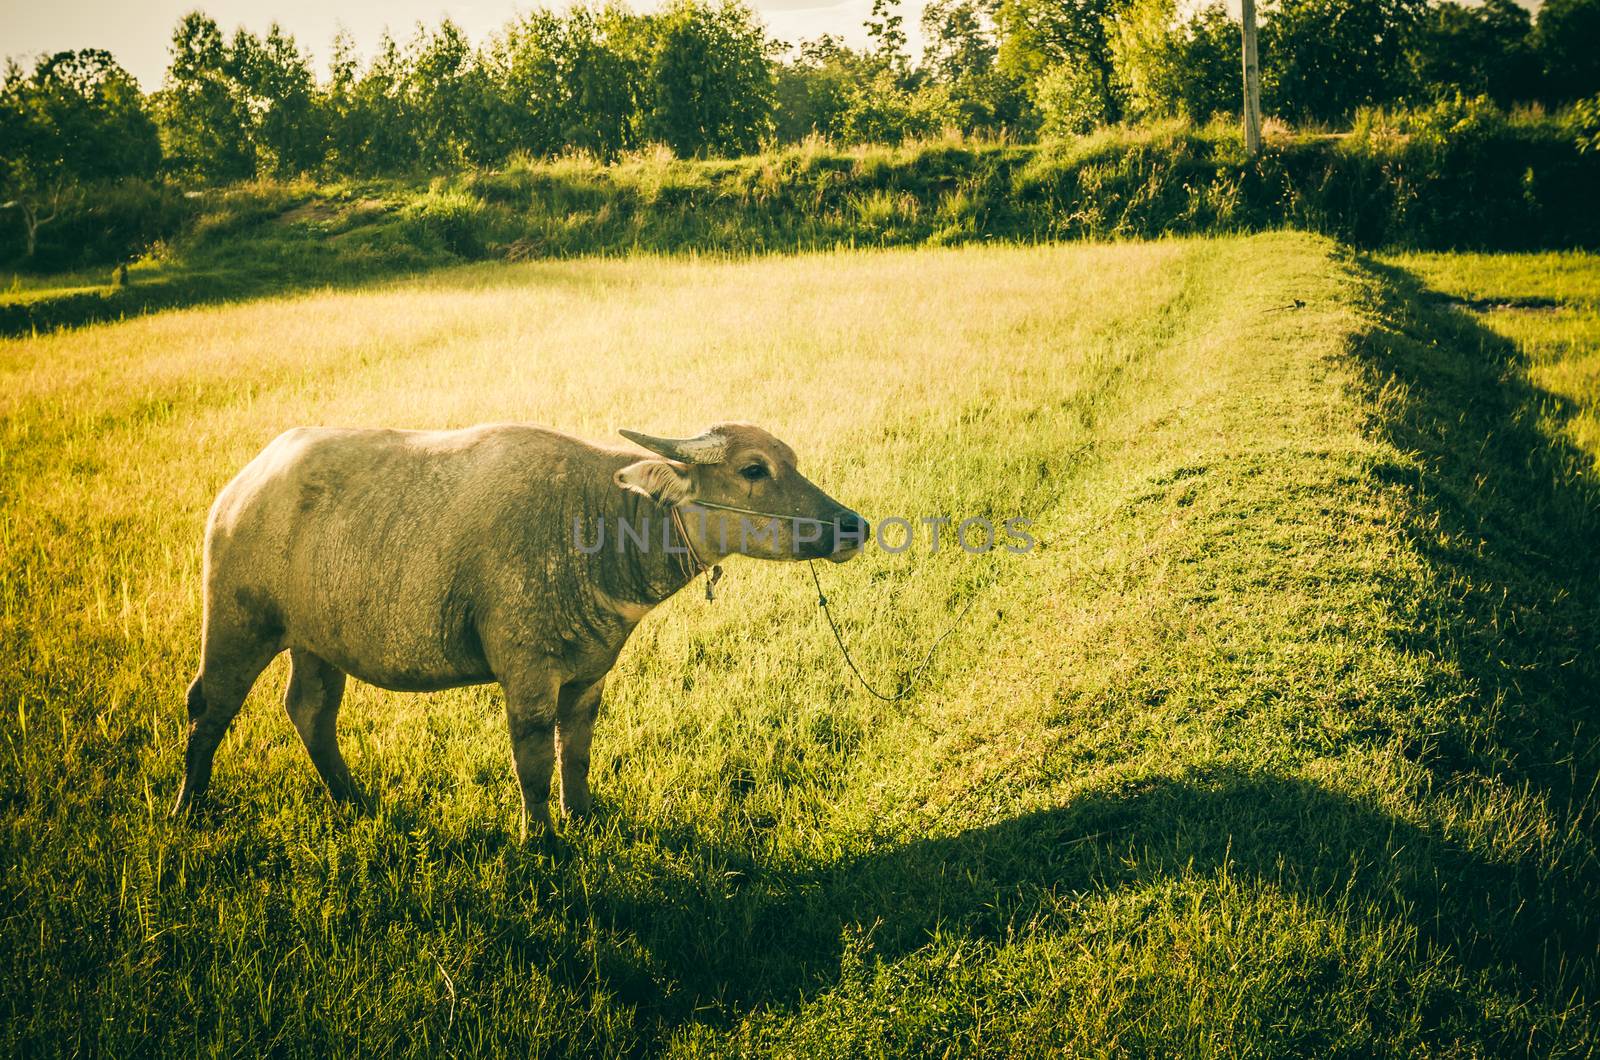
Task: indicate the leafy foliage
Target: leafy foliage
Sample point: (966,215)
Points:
(1584,119)
(1039,35)
(1482,50)
(76,120)
(81,113)
(708,79)
(1566,38)
(567,83)
(817,89)
(1322,59)
(1071,101)
(1174,67)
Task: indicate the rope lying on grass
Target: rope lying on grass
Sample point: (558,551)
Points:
(916,675)
(694,566)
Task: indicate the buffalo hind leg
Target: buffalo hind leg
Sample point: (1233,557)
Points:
(312,701)
(575,713)
(531,714)
(215,697)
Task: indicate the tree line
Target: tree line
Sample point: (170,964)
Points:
(704,78)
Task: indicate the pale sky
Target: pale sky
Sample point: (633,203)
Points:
(137,31)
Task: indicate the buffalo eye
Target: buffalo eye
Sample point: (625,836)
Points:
(754,472)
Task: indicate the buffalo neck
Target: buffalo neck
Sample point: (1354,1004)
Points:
(626,569)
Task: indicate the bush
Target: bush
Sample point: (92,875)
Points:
(1457,122)
(101,224)
(1461,174)
(1567,39)
(1069,101)
(455,221)
(881,111)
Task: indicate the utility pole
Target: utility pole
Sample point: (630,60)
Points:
(1252,81)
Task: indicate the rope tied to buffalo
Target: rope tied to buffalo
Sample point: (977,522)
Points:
(916,675)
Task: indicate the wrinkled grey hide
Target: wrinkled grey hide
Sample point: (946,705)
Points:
(422,560)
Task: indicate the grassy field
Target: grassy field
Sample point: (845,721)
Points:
(1283,741)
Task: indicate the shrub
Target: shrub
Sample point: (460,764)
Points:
(883,112)
(455,221)
(1457,122)
(1069,101)
(1460,173)
(102,224)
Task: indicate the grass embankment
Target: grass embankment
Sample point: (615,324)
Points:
(1282,742)
(1457,180)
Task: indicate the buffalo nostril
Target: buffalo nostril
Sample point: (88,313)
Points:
(852,528)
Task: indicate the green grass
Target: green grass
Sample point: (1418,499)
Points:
(1282,742)
(1548,307)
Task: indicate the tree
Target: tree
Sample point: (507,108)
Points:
(886,29)
(1482,50)
(571,80)
(383,138)
(204,121)
(812,93)
(246,107)
(1171,66)
(709,78)
(958,40)
(78,118)
(1321,59)
(530,69)
(451,100)
(346,132)
(1040,35)
(960,61)
(607,53)
(273,79)
(1567,40)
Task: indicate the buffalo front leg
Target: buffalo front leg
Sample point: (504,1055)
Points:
(531,714)
(312,701)
(577,708)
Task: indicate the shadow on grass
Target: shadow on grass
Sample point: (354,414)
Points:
(183,286)
(778,939)
(1509,518)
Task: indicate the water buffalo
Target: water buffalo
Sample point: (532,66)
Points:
(424,560)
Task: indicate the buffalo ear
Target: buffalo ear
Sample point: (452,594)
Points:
(656,479)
